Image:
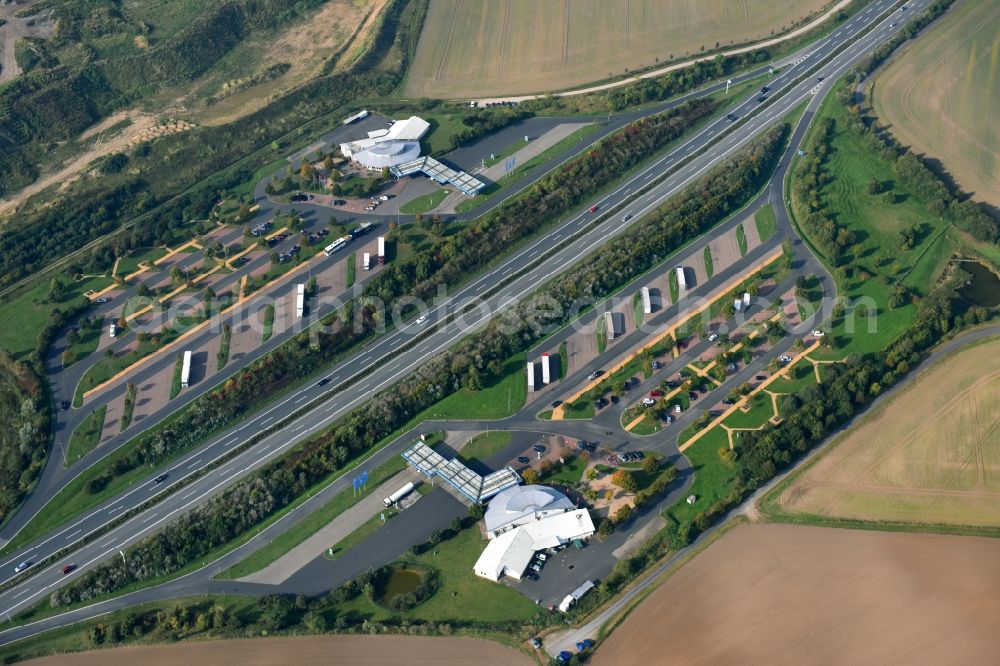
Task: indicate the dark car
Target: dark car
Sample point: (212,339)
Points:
(656,394)
(161,478)
(556,404)
(64,404)
(764,90)
(564,657)
(538,448)
(524,460)
(761,99)
(693,395)
(760,378)
(66,569)
(323,382)
(585,644)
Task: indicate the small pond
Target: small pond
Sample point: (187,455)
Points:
(984,289)
(399,581)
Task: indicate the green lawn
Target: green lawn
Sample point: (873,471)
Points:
(128,407)
(90,337)
(582,408)
(500,396)
(268,326)
(674,287)
(760,412)
(558,372)
(175,382)
(570,473)
(637,313)
(352,269)
(801,375)
(485,445)
(713,478)
(443,126)
(130,262)
(851,165)
(87,435)
(709,267)
(741,240)
(461,594)
(601,333)
(424,203)
(766,222)
(222,356)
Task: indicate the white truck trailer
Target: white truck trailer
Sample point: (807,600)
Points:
(681,280)
(300,300)
(399,494)
(546,372)
(531,375)
(186,370)
(381,250)
(647,302)
(367,263)
(360,115)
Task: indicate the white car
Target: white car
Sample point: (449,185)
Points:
(713,337)
(648,401)
(678,409)
(541,556)
(421,319)
(818,333)
(785,358)
(22,566)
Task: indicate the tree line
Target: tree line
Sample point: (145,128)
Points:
(253,499)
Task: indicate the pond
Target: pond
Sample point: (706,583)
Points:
(984,289)
(399,581)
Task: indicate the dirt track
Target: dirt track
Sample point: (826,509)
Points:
(313,650)
(784,594)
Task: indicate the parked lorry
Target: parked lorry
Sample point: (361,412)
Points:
(399,494)
(186,370)
(381,250)
(367,261)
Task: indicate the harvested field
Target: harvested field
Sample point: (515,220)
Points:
(935,97)
(931,455)
(369,650)
(475,47)
(787,594)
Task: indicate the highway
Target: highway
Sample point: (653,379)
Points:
(519,274)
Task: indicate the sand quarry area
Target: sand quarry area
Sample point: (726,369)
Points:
(789,594)
(368,650)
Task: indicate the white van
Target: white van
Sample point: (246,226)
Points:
(113,331)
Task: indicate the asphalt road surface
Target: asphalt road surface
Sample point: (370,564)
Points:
(525,274)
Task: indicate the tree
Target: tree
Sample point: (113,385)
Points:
(455,525)
(650,464)
(623,513)
(605,528)
(72,336)
(473,382)
(624,480)
(591,473)
(530,476)
(435,537)
(476,511)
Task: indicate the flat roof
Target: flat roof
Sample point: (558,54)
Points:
(440,173)
(473,486)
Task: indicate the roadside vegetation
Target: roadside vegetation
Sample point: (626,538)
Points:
(85,438)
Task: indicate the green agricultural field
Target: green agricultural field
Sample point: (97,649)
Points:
(940,96)
(467,49)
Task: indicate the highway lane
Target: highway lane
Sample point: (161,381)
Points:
(55,476)
(318,418)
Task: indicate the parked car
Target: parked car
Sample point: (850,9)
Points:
(585,644)
(564,657)
(785,358)
(760,378)
(656,365)
(556,403)
(648,401)
(538,448)
(541,556)
(692,395)
(818,333)
(713,337)
(678,409)
(537,568)
(656,394)
(535,643)
(669,419)
(64,404)
(523,460)
(102,299)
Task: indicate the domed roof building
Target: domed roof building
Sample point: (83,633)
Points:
(523,504)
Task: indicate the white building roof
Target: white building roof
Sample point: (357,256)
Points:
(511,552)
(388,154)
(522,503)
(411,129)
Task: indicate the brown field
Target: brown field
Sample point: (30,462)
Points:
(502,47)
(788,594)
(941,96)
(930,455)
(308,650)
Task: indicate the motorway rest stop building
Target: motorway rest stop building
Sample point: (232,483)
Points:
(472,486)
